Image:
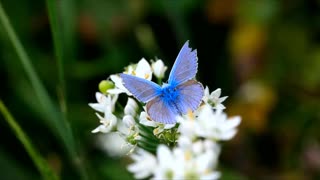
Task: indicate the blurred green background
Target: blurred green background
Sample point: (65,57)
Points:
(263,54)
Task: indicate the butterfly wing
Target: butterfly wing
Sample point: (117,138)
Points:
(185,66)
(190,95)
(162,112)
(142,89)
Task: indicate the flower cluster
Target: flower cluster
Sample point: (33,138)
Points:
(188,149)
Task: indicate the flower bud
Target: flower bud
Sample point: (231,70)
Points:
(105,85)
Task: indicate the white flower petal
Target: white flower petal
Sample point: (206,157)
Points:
(144,164)
(159,68)
(227,135)
(231,123)
(212,176)
(131,107)
(143,69)
(119,87)
(164,155)
(97,107)
(128,121)
(216,93)
(144,120)
(113,144)
(222,99)
(169,126)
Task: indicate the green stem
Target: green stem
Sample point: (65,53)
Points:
(42,165)
(159,81)
(58,38)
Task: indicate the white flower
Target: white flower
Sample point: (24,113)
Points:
(112,144)
(159,68)
(104,102)
(187,124)
(167,164)
(183,163)
(143,70)
(131,107)
(215,124)
(128,121)
(159,127)
(129,131)
(204,165)
(184,142)
(199,161)
(108,122)
(144,164)
(214,98)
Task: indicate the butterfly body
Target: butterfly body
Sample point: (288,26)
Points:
(169,93)
(181,94)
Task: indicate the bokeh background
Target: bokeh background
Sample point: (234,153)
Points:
(263,54)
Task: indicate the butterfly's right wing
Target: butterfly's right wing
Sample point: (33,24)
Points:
(161,112)
(142,89)
(185,67)
(190,96)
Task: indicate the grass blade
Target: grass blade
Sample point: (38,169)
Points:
(62,29)
(55,120)
(42,165)
(61,16)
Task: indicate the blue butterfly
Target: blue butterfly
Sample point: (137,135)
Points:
(181,94)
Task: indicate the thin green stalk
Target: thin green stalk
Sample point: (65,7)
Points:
(58,40)
(61,20)
(60,15)
(41,164)
(54,118)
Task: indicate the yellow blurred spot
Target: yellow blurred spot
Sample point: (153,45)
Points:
(247,39)
(187,155)
(146,76)
(254,102)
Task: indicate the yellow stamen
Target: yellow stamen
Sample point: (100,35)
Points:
(190,114)
(148,118)
(146,76)
(156,131)
(187,155)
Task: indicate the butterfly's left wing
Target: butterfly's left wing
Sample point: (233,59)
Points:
(190,96)
(185,66)
(162,112)
(142,89)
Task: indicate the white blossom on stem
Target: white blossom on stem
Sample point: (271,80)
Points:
(104,102)
(144,164)
(214,98)
(215,124)
(108,122)
(159,68)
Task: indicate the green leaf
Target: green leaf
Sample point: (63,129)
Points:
(41,164)
(54,117)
